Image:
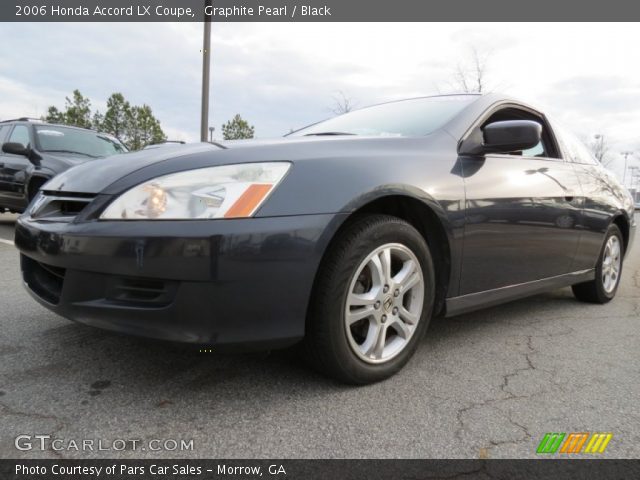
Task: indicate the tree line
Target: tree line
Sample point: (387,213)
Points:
(133,125)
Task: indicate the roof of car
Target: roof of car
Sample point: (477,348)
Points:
(39,121)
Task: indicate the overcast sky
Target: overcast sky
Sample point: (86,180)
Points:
(283,76)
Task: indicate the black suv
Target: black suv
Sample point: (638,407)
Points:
(33,152)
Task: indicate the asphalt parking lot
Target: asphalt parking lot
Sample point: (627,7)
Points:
(487,384)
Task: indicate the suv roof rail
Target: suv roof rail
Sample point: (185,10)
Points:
(23,119)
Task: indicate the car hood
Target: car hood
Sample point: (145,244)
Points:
(115,174)
(311,139)
(60,162)
(93,176)
(68,160)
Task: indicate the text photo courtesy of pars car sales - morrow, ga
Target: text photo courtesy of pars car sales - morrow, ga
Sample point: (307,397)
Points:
(319,240)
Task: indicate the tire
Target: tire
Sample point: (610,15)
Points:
(604,287)
(349,277)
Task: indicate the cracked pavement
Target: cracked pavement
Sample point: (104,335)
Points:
(488,384)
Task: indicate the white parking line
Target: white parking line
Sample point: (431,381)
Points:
(6,242)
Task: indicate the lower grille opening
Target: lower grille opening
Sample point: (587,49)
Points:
(44,280)
(71,208)
(141,291)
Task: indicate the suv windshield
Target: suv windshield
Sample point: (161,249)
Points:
(74,140)
(405,118)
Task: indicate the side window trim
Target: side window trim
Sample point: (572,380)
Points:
(546,124)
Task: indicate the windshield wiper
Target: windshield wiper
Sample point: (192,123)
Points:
(328,133)
(71,151)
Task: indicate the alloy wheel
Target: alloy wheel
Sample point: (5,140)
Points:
(611,262)
(384,303)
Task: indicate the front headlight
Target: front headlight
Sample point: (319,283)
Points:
(228,191)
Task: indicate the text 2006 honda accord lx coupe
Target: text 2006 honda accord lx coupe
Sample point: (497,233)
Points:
(348,235)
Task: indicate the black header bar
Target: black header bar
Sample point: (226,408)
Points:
(318,10)
(184,469)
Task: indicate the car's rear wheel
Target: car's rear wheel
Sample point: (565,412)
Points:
(608,270)
(372,301)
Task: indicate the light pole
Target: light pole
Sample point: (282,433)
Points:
(624,174)
(634,176)
(211,130)
(206,65)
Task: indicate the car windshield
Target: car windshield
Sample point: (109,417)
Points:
(77,141)
(405,118)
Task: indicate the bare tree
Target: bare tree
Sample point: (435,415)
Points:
(600,148)
(342,103)
(470,77)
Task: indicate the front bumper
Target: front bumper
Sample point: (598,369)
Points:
(241,282)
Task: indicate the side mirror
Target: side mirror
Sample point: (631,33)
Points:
(511,135)
(19,149)
(504,137)
(15,148)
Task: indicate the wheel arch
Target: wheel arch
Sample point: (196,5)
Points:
(621,221)
(424,214)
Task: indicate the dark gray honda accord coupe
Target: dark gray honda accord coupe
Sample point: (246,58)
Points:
(347,236)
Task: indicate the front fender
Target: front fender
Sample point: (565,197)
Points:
(395,190)
(342,185)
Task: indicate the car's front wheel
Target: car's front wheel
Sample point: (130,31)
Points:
(608,270)
(372,301)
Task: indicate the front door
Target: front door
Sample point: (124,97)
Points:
(521,218)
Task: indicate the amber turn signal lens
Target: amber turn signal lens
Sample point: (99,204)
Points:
(249,200)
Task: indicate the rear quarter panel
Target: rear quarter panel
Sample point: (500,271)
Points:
(604,199)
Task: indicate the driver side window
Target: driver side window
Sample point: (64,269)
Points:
(574,149)
(20,134)
(538,151)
